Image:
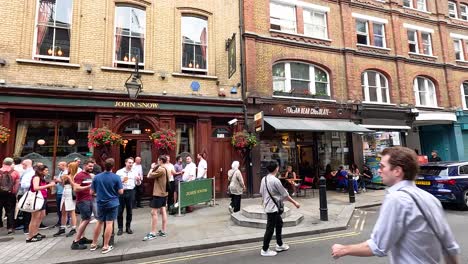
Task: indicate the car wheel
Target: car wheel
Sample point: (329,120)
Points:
(464,205)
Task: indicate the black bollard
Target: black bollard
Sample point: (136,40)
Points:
(352,197)
(323,199)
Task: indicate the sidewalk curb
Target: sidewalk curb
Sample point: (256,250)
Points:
(369,205)
(135,253)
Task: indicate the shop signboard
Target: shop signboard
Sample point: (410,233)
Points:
(259,122)
(195,192)
(373,164)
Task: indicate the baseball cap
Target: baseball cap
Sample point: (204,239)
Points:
(8,161)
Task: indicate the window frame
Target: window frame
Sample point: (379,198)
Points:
(416,40)
(426,45)
(464,96)
(416,4)
(461,49)
(428,92)
(194,70)
(54,27)
(384,40)
(284,5)
(452,12)
(367,33)
(141,61)
(313,12)
(288,77)
(464,15)
(365,86)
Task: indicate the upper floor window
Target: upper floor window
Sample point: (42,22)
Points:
(375,87)
(362,31)
(315,24)
(464,91)
(300,79)
(452,9)
(419,42)
(53,26)
(370,31)
(458,46)
(130,28)
(283,17)
(194,44)
(464,12)
(424,92)
(417,4)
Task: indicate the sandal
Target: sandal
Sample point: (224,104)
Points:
(93,247)
(107,250)
(33,239)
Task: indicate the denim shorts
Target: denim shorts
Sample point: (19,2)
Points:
(107,214)
(86,209)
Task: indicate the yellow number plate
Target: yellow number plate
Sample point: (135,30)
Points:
(427,183)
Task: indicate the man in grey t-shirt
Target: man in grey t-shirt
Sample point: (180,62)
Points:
(271,184)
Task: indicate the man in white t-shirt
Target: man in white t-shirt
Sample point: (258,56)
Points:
(170,173)
(190,170)
(139,187)
(202,167)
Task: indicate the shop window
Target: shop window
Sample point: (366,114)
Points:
(130,28)
(42,141)
(375,87)
(194,44)
(53,28)
(334,149)
(185,138)
(424,92)
(283,17)
(464,91)
(280,147)
(315,24)
(300,80)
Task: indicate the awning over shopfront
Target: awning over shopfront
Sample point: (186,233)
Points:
(435,118)
(310,124)
(385,127)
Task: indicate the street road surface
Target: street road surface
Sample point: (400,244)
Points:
(307,249)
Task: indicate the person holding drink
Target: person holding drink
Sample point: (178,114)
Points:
(67,204)
(129,178)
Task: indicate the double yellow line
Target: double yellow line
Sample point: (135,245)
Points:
(244,249)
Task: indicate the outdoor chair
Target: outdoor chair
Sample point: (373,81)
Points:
(307,184)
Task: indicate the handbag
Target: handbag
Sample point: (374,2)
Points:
(429,224)
(279,204)
(31,202)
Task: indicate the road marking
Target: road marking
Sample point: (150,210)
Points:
(229,251)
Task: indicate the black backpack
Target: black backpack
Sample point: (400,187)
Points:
(6,182)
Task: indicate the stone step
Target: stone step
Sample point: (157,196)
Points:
(258,212)
(239,219)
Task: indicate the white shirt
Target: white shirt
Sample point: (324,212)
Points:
(190,170)
(169,167)
(130,184)
(138,169)
(26,178)
(19,168)
(202,168)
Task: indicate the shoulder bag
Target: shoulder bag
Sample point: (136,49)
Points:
(430,225)
(279,204)
(31,201)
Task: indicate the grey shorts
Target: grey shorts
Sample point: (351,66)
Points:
(86,209)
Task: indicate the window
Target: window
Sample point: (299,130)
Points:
(375,87)
(426,43)
(130,28)
(282,17)
(424,92)
(418,4)
(408,3)
(379,35)
(315,24)
(464,91)
(362,32)
(464,12)
(300,79)
(413,41)
(458,47)
(452,9)
(53,26)
(194,44)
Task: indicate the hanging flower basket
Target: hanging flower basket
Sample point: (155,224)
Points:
(244,140)
(4,134)
(101,137)
(164,139)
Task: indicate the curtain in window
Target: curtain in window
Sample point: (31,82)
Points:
(203,43)
(45,11)
(118,36)
(21,132)
(178,138)
(191,140)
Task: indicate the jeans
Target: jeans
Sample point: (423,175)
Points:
(170,198)
(274,221)
(8,201)
(126,203)
(236,202)
(138,194)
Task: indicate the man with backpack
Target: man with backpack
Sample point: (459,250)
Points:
(9,183)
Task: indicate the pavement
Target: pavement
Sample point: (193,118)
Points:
(206,227)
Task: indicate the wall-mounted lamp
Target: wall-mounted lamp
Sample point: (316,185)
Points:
(221,92)
(3,62)
(134,84)
(2,81)
(41,142)
(164,92)
(234,90)
(162,75)
(88,68)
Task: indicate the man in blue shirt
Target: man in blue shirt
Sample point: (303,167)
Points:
(107,186)
(402,229)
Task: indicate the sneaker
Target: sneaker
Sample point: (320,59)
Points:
(268,253)
(176,205)
(162,234)
(107,250)
(355,192)
(149,236)
(26,232)
(10,231)
(71,233)
(77,246)
(231,210)
(42,226)
(61,231)
(84,241)
(93,221)
(283,247)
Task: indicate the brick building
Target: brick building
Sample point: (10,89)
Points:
(323,70)
(64,63)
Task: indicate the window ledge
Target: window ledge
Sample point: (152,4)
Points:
(104,68)
(429,107)
(419,56)
(300,37)
(462,63)
(377,103)
(415,9)
(303,98)
(186,75)
(51,63)
(374,47)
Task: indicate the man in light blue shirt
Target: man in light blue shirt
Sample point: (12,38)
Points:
(401,228)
